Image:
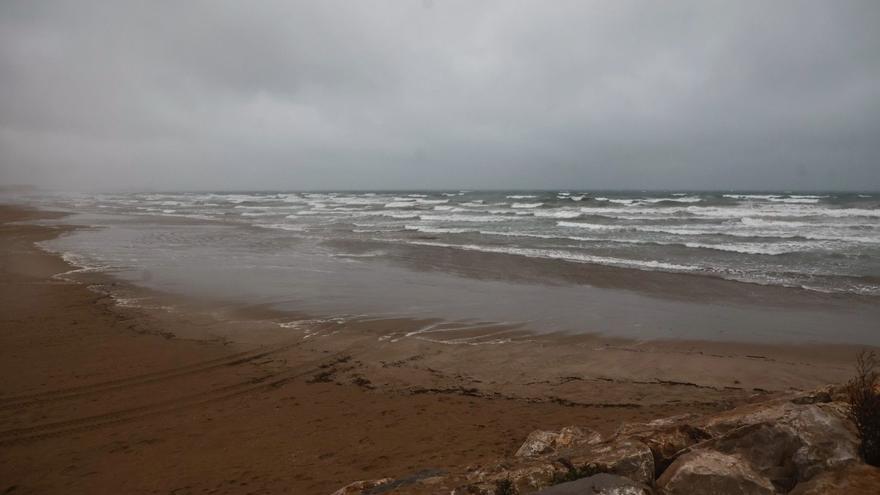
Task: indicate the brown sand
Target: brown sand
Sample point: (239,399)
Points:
(98,398)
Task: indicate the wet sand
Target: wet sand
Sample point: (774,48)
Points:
(98,397)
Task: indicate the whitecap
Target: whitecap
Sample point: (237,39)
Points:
(566,256)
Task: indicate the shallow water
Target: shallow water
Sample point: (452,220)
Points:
(322,265)
(818,241)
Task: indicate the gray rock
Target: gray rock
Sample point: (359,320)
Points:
(540,442)
(526,475)
(599,484)
(786,442)
(710,473)
(625,457)
(666,437)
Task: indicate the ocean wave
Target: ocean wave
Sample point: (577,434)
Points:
(781,210)
(526,205)
(750,196)
(436,230)
(282,226)
(558,254)
(760,222)
(773,249)
(726,230)
(521,196)
(259,214)
(591,226)
(400,216)
(557,213)
(687,199)
(463,218)
(795,200)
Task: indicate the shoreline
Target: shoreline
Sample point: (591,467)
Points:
(543,296)
(139,400)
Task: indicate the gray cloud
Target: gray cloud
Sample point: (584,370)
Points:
(443,94)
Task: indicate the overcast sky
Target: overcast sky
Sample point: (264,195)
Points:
(440,94)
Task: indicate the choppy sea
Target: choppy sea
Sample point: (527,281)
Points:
(826,242)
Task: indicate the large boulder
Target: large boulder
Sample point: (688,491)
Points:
(853,479)
(786,442)
(525,475)
(666,437)
(625,457)
(708,472)
(599,484)
(540,442)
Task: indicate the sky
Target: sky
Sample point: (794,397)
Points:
(433,94)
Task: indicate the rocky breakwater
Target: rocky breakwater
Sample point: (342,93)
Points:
(802,445)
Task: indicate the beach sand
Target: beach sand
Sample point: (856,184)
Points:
(102,397)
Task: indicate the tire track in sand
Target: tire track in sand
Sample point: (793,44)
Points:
(25,400)
(265,382)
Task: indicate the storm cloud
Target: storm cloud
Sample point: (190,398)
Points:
(444,94)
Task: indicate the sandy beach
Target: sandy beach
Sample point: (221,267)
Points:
(99,396)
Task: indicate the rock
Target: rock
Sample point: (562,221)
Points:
(526,475)
(573,436)
(625,457)
(854,479)
(599,484)
(540,442)
(786,442)
(710,473)
(665,437)
(815,397)
(362,487)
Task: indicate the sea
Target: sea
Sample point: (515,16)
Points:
(400,252)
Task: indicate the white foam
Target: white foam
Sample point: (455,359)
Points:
(436,230)
(463,218)
(794,200)
(760,222)
(758,248)
(282,226)
(400,216)
(557,213)
(751,196)
(521,196)
(526,205)
(258,214)
(590,226)
(690,199)
(566,256)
